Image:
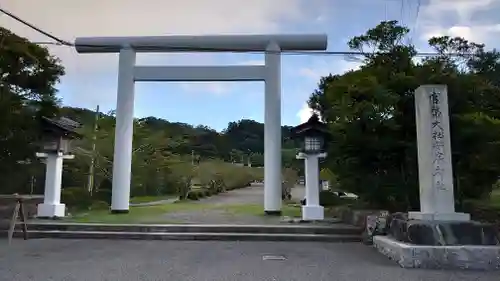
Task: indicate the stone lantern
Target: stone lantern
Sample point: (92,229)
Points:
(313,135)
(56,137)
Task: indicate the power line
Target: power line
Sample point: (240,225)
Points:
(61,42)
(415,22)
(159,48)
(402,11)
(419,2)
(49,43)
(16,18)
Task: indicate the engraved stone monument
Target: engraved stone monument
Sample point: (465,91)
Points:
(437,236)
(435,173)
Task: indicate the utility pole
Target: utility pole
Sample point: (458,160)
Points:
(192,157)
(90,182)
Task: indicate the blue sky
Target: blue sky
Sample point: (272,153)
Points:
(91,79)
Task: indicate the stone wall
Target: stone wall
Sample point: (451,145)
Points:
(357,217)
(373,222)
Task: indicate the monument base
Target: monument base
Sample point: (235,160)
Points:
(474,257)
(441,233)
(439,244)
(51,210)
(439,216)
(313,212)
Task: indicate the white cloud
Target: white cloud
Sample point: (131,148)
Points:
(304,113)
(216,88)
(322,67)
(435,20)
(313,74)
(252,62)
(464,9)
(475,33)
(69,19)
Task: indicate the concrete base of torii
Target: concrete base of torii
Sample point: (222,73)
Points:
(312,211)
(52,206)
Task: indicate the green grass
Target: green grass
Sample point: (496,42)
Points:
(146,199)
(258,210)
(152,214)
(145,214)
(495,198)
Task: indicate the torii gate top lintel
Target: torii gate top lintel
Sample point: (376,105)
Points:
(200,43)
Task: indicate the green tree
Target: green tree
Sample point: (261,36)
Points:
(371,114)
(28,75)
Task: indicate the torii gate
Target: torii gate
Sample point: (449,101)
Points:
(129,73)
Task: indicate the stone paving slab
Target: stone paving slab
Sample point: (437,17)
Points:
(96,260)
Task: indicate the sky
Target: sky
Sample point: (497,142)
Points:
(91,79)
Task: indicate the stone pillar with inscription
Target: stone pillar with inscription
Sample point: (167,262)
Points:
(435,174)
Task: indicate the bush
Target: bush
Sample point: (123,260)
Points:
(223,176)
(76,198)
(215,177)
(197,194)
(104,191)
(329,199)
(103,195)
(481,211)
(290,178)
(207,193)
(99,205)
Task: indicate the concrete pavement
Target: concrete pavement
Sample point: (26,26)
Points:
(96,260)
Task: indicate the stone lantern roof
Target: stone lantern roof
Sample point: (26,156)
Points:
(60,127)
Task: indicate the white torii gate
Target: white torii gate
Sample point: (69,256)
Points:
(129,73)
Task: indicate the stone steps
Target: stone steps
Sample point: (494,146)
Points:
(319,233)
(201,236)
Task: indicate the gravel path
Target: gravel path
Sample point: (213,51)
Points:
(96,260)
(253,194)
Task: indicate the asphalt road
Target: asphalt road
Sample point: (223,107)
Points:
(120,260)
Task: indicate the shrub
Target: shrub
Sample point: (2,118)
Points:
(215,177)
(207,192)
(76,198)
(99,205)
(329,199)
(104,191)
(103,195)
(223,176)
(290,177)
(193,196)
(197,194)
(481,211)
